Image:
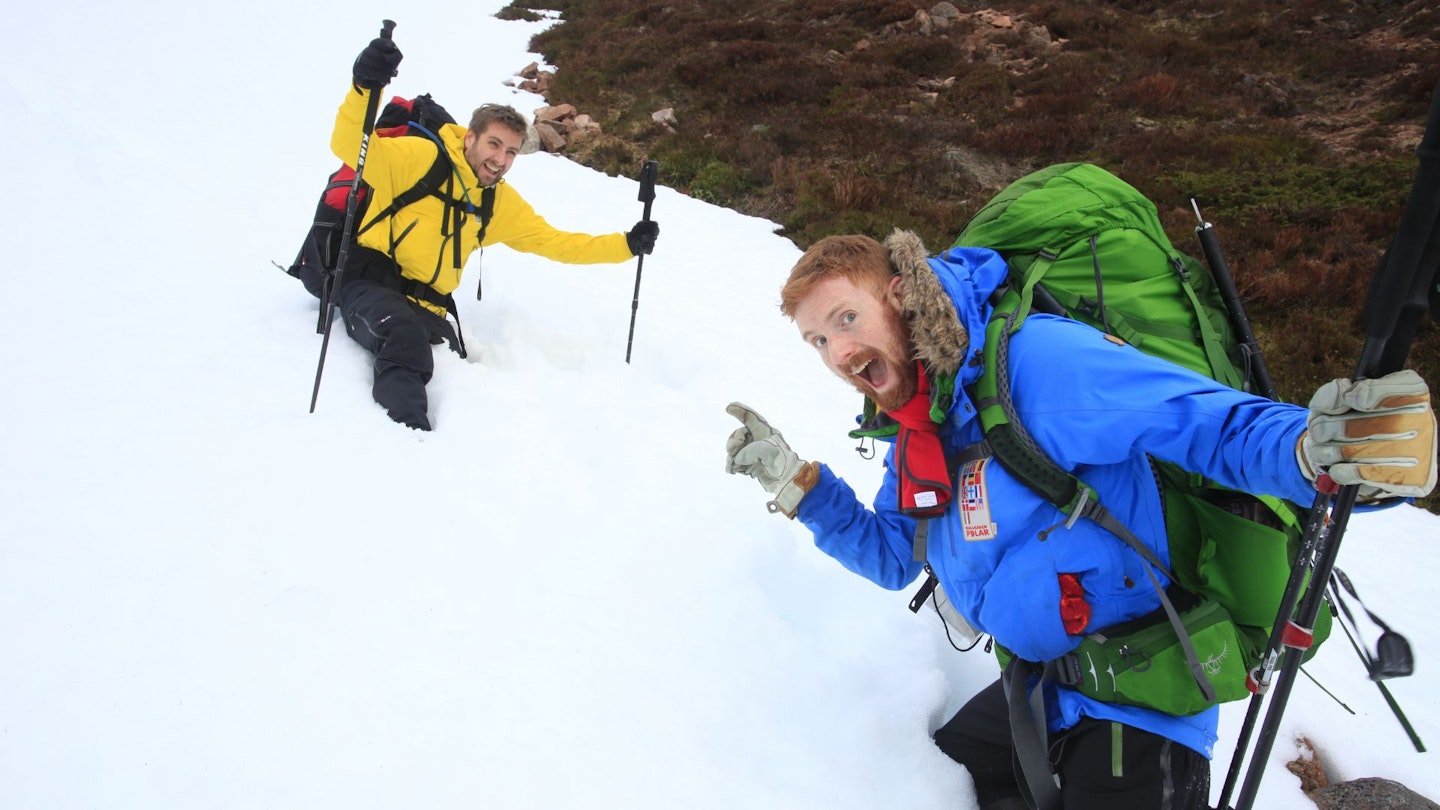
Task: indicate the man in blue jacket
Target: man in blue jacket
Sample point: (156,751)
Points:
(888,319)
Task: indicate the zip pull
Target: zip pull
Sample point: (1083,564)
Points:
(1077,511)
(866,453)
(1044,534)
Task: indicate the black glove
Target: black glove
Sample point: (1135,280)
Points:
(377,64)
(641,238)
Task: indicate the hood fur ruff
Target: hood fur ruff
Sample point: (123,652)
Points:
(936,334)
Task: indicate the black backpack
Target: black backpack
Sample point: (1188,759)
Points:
(420,116)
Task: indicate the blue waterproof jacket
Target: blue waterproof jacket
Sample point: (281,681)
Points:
(1098,408)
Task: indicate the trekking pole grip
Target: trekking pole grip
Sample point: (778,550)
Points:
(647,185)
(387,28)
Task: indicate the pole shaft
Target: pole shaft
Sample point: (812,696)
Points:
(1397,297)
(647,196)
(352,203)
(1220,271)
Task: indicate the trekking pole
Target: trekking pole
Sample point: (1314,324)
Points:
(1258,680)
(1378,668)
(1406,285)
(1220,271)
(352,202)
(1258,375)
(647,196)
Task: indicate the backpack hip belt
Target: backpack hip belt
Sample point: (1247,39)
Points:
(369,264)
(1143,662)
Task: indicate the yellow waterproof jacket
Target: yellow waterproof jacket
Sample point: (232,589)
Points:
(413,235)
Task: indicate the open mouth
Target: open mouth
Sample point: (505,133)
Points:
(873,373)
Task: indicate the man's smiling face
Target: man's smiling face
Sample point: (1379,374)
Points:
(491,153)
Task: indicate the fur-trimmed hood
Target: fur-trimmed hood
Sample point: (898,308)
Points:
(946,298)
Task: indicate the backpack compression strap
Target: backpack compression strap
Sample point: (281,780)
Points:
(1220,365)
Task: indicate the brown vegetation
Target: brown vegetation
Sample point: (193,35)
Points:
(1292,124)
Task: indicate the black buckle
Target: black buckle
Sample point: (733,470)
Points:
(923,594)
(1067,670)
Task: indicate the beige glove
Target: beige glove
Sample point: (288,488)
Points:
(759,451)
(1377,433)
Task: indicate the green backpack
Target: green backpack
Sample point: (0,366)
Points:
(1081,242)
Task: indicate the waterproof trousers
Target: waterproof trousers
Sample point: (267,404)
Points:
(399,333)
(1102,765)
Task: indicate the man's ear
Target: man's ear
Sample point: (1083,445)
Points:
(895,293)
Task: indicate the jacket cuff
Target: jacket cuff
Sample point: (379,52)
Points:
(787,500)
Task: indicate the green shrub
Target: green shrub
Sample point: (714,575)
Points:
(718,183)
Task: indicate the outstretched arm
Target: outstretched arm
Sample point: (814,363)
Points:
(876,544)
(516,225)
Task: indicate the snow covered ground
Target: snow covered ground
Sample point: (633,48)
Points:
(212,598)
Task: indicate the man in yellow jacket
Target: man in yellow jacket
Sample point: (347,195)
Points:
(409,253)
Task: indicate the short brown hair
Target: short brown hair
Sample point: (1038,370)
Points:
(503,114)
(859,258)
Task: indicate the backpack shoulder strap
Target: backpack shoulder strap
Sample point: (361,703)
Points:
(486,209)
(1019,454)
(428,184)
(1012,444)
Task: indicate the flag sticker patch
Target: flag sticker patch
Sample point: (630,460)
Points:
(975,502)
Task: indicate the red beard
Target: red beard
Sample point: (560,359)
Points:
(899,367)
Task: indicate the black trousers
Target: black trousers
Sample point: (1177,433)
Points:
(399,333)
(1102,765)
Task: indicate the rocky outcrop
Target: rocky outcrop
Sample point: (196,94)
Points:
(556,125)
(1370,793)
